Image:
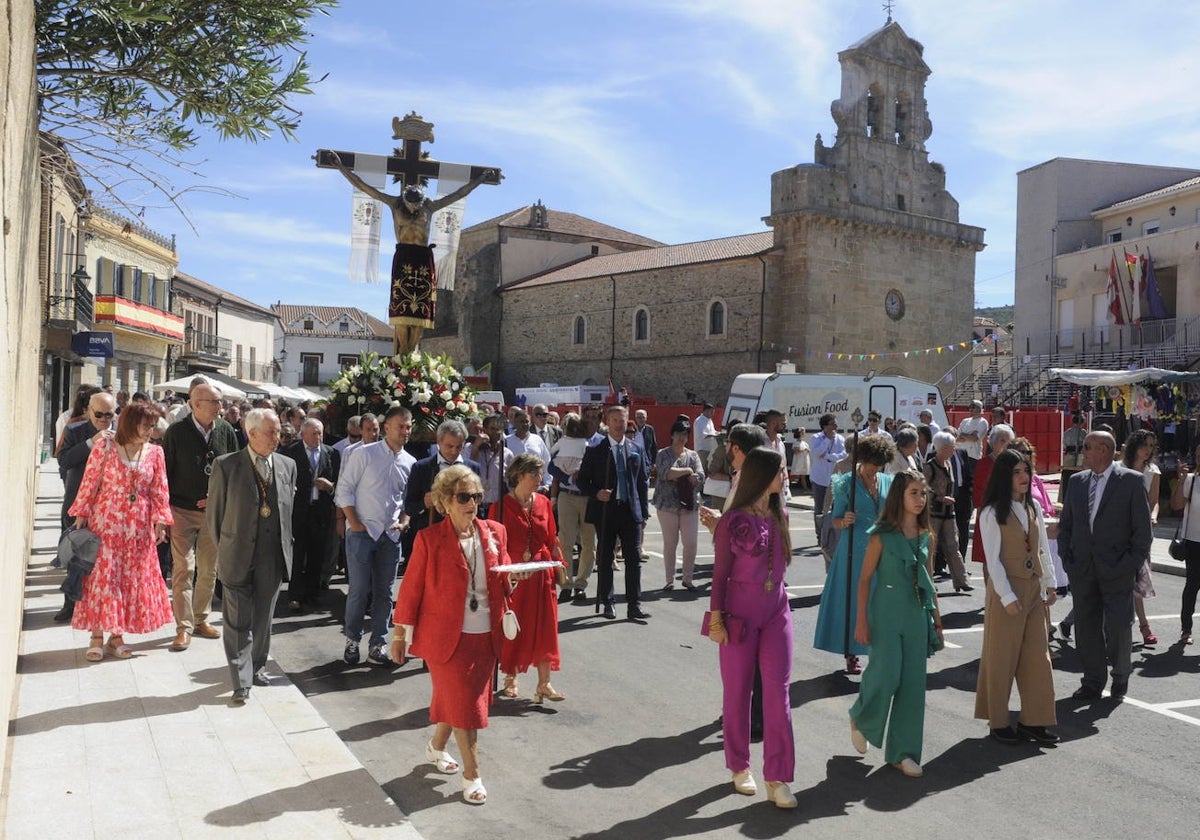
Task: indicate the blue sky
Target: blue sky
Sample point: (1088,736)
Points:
(667,117)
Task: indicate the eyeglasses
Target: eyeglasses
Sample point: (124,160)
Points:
(541,414)
(104,415)
(464,498)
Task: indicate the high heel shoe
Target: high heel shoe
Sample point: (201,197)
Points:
(95,651)
(510,685)
(1148,637)
(547,692)
(120,651)
(441,759)
(780,794)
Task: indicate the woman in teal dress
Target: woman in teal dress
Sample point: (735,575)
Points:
(896,600)
(874,453)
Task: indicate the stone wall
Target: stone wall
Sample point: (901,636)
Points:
(19,317)
(678,357)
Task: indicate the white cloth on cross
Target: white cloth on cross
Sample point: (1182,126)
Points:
(366,219)
(446,224)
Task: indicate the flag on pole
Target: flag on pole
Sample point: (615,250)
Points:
(1135,293)
(1158,309)
(1116,312)
(446,224)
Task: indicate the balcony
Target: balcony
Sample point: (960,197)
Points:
(205,351)
(75,312)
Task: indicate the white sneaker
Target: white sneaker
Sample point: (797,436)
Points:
(858,739)
(743,783)
(909,768)
(780,794)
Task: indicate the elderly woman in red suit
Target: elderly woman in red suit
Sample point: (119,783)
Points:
(449,610)
(528,517)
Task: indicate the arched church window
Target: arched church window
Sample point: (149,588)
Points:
(641,324)
(872,111)
(579,331)
(902,112)
(716,318)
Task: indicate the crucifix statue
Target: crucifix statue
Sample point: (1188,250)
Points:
(414,285)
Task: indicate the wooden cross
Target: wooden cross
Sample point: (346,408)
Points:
(406,164)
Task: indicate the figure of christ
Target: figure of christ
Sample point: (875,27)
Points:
(414,285)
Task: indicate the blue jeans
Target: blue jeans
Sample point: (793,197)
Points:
(371,569)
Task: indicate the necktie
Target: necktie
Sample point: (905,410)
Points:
(312,461)
(264,468)
(622,469)
(1092,497)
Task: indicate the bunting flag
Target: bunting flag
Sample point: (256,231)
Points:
(1116,312)
(1135,293)
(1154,301)
(879,355)
(446,224)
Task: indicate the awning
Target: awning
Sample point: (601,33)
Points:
(229,386)
(1097,378)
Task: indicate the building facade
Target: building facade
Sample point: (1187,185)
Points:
(866,266)
(223,333)
(313,344)
(133,266)
(1072,217)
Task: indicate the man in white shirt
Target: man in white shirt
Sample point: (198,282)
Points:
(703,430)
(368,427)
(776,423)
(353,435)
(926,419)
(490,449)
(370,492)
(522,441)
(874,418)
(827,449)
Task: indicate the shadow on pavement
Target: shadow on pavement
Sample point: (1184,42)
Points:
(314,795)
(627,764)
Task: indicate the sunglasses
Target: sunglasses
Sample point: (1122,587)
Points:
(541,414)
(463,498)
(104,415)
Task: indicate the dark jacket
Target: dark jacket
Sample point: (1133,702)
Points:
(599,472)
(188,456)
(329,462)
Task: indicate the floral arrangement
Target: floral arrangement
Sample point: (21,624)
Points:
(429,386)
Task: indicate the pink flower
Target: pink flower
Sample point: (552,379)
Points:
(744,531)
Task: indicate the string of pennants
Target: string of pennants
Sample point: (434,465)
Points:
(891,354)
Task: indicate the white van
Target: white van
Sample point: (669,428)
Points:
(804,397)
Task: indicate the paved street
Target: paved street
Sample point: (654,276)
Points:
(635,750)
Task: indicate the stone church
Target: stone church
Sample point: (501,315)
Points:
(865,256)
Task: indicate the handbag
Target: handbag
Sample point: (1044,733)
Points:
(735,629)
(510,625)
(1177,549)
(78,547)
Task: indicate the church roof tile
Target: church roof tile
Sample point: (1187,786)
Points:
(668,256)
(326,318)
(559,221)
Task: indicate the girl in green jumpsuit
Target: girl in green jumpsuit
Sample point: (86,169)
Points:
(895,600)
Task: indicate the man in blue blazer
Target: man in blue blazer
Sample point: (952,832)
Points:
(418,501)
(317,467)
(610,476)
(1104,537)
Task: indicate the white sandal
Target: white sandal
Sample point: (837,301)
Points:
(441,759)
(473,790)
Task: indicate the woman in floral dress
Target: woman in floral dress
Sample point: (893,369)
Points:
(124,499)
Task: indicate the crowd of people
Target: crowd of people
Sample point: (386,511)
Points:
(202,497)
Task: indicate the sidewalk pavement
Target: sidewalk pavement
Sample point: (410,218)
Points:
(1161,561)
(149,747)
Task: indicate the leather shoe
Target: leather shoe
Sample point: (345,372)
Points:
(565,596)
(206,631)
(182,639)
(609,613)
(1119,689)
(580,597)
(1038,733)
(636,613)
(240,696)
(1007,735)
(65,614)
(261,677)
(1086,692)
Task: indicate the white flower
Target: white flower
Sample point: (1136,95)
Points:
(354,370)
(422,396)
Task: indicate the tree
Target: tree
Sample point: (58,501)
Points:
(127,84)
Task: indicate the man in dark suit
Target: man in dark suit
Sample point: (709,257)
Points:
(77,443)
(249,515)
(646,434)
(610,477)
(317,466)
(418,500)
(1104,536)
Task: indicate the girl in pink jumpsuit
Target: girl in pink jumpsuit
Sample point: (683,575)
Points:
(752,623)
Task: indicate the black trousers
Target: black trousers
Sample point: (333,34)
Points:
(247,611)
(619,524)
(1103,620)
(1191,585)
(310,548)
